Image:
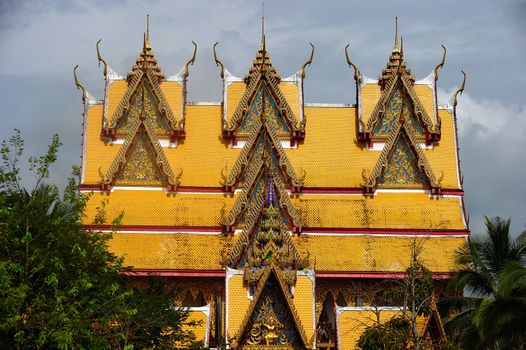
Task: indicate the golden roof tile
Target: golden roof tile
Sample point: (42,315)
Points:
(378,253)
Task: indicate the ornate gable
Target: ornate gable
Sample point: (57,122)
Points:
(271,319)
(402,163)
(263,80)
(144,93)
(140,160)
(397,86)
(263,209)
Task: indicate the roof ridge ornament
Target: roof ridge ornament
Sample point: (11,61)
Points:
(190,61)
(101,59)
(395,47)
(78,84)
(441,64)
(307,63)
(218,61)
(147,59)
(351,64)
(459,91)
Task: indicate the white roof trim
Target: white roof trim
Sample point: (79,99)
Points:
(328,105)
(113,75)
(429,80)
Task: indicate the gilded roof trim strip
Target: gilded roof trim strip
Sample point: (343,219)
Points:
(257,294)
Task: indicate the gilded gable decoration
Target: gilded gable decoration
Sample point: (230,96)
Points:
(271,319)
(144,91)
(262,78)
(141,160)
(402,163)
(263,208)
(396,82)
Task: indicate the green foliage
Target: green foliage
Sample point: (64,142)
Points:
(493,275)
(394,334)
(60,287)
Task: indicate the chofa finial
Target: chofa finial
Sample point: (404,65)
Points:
(441,64)
(79,85)
(190,62)
(101,59)
(308,63)
(459,91)
(351,64)
(218,62)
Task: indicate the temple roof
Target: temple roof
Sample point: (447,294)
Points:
(358,178)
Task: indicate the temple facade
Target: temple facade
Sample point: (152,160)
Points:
(281,222)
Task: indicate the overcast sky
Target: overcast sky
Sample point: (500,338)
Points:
(43,40)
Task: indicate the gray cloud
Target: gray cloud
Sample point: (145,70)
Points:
(43,40)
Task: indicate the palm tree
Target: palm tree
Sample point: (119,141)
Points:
(492,315)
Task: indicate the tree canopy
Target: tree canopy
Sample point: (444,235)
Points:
(492,313)
(60,287)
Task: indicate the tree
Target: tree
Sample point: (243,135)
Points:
(492,314)
(60,287)
(414,292)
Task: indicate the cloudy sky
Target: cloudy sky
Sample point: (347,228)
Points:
(43,40)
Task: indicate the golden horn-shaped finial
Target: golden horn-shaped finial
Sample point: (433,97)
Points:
(459,91)
(395,48)
(308,63)
(218,62)
(441,64)
(101,59)
(351,64)
(79,85)
(190,62)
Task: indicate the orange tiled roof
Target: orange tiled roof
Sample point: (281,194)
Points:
(184,251)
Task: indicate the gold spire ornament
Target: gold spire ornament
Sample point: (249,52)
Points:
(395,48)
(146,59)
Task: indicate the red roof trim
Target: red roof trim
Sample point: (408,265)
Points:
(149,228)
(174,273)
(373,274)
(384,231)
